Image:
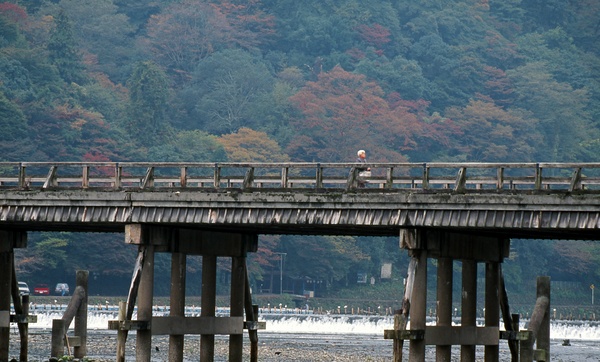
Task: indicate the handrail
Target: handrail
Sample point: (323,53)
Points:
(457,177)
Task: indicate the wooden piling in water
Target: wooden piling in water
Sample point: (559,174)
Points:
(468,317)
(418,306)
(236,306)
(9,240)
(143,343)
(252,319)
(6,267)
(76,310)
(177,302)
(24,330)
(492,307)
(182,242)
(447,247)
(208,304)
(58,337)
(444,304)
(538,331)
(21,306)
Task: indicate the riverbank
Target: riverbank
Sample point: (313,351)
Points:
(276,347)
(101,347)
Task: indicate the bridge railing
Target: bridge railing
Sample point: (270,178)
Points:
(293,175)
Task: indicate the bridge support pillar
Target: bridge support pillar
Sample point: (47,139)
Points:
(208,304)
(448,247)
(492,306)
(143,343)
(183,242)
(444,304)
(177,302)
(9,240)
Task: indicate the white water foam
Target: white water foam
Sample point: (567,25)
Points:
(325,324)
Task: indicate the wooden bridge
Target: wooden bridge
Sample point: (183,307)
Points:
(447,211)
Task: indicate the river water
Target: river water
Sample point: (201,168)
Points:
(303,337)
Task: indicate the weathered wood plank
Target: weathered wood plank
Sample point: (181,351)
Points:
(461,335)
(197,325)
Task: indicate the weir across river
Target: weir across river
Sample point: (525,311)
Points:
(448,211)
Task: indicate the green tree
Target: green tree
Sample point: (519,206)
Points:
(11,16)
(98,27)
(397,75)
(183,33)
(224,89)
(14,138)
(138,11)
(562,111)
(189,146)
(47,253)
(274,110)
(63,51)
(148,101)
(14,79)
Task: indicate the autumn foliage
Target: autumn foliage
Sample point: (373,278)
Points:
(343,112)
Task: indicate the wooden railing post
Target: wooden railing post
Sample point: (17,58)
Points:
(85,177)
(22,169)
(118,174)
(284,177)
(425,184)
(389,178)
(500,178)
(217,176)
(538,177)
(183,177)
(319,175)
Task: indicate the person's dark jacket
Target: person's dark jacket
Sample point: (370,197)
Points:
(363,161)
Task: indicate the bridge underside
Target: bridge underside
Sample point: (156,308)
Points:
(578,225)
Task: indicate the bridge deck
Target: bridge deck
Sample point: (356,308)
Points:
(545,200)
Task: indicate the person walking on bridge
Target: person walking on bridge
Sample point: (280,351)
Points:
(362,171)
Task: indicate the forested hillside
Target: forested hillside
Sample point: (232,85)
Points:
(289,80)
